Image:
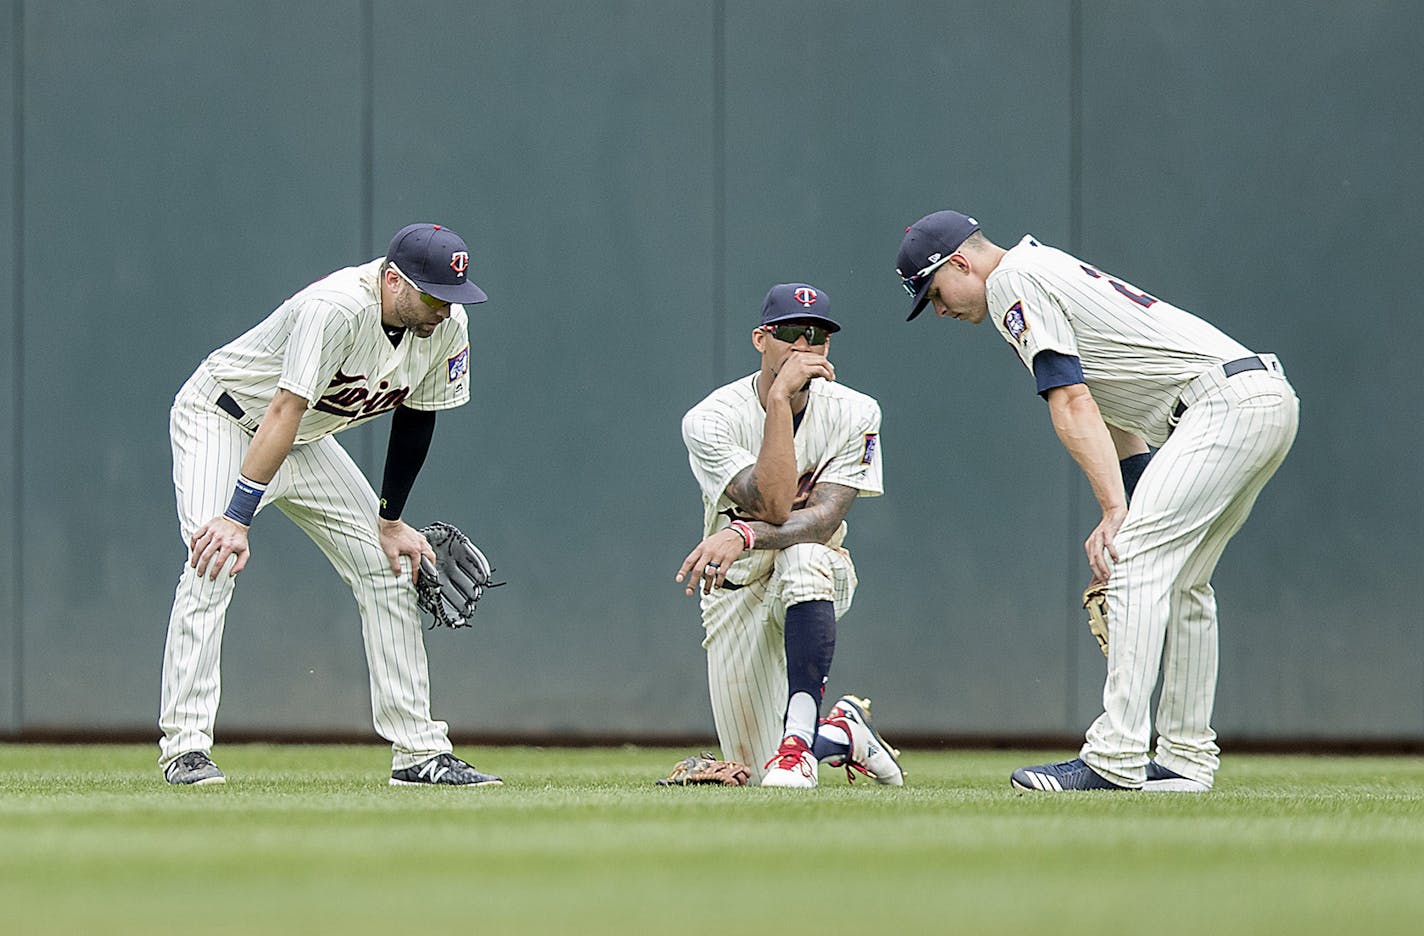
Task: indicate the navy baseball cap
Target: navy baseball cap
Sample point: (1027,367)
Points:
(927,244)
(435,259)
(799,302)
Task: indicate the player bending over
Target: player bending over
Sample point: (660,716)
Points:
(255,426)
(1123,371)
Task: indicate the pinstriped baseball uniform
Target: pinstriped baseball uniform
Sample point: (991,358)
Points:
(325,344)
(837,441)
(1145,361)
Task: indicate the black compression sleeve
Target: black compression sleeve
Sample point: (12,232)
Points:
(411,432)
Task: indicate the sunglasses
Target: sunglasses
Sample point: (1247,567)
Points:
(815,334)
(425,297)
(912,283)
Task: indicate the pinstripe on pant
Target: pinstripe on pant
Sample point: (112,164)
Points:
(323,491)
(1195,494)
(746,645)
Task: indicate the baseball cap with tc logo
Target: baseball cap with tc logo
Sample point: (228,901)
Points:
(800,302)
(928,243)
(436,259)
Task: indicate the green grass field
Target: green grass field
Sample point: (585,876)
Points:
(310,839)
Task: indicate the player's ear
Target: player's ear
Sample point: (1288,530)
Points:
(759,339)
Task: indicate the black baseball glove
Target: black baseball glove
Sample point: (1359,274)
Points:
(451,587)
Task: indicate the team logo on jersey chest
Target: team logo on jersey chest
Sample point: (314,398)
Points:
(1014,322)
(348,396)
(459,365)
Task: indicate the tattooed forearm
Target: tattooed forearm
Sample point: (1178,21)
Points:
(743,491)
(814,523)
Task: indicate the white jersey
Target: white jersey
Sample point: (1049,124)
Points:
(837,441)
(1138,352)
(326,344)
(1141,357)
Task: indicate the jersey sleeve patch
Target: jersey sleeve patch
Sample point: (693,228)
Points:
(459,365)
(868,451)
(1014,322)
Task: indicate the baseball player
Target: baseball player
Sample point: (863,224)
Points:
(1123,372)
(780,455)
(255,425)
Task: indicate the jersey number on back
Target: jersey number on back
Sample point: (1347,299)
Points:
(1141,298)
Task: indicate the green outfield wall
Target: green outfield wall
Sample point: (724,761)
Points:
(632,177)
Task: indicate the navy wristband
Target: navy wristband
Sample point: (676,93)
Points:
(1132,468)
(246,495)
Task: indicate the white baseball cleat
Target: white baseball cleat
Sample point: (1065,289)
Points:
(793,765)
(869,753)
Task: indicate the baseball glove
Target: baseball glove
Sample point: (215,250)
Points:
(451,587)
(704,768)
(1095,600)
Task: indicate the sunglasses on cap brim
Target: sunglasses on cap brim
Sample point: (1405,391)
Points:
(912,284)
(425,297)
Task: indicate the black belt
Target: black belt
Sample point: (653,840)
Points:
(1230,369)
(228,405)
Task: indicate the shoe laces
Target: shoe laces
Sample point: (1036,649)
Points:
(838,719)
(790,756)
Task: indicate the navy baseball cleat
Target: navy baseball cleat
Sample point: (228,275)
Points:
(443,770)
(1057,778)
(1162,780)
(195,769)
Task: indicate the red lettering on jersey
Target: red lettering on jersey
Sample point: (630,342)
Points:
(358,402)
(1141,298)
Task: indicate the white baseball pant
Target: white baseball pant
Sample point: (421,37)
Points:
(1195,494)
(746,646)
(325,494)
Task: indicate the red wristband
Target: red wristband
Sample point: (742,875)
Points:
(748,537)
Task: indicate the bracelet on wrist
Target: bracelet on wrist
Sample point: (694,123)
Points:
(246,495)
(745,531)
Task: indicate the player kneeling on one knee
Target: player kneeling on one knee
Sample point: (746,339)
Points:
(780,455)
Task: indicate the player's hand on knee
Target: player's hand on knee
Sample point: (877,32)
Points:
(401,541)
(1101,546)
(215,542)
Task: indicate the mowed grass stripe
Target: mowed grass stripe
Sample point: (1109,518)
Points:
(309,839)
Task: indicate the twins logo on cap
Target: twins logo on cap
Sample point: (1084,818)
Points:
(460,261)
(806,296)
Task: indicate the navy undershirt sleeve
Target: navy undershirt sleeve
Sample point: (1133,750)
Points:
(411,432)
(1052,369)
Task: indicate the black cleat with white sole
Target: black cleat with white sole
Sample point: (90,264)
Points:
(443,770)
(193,769)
